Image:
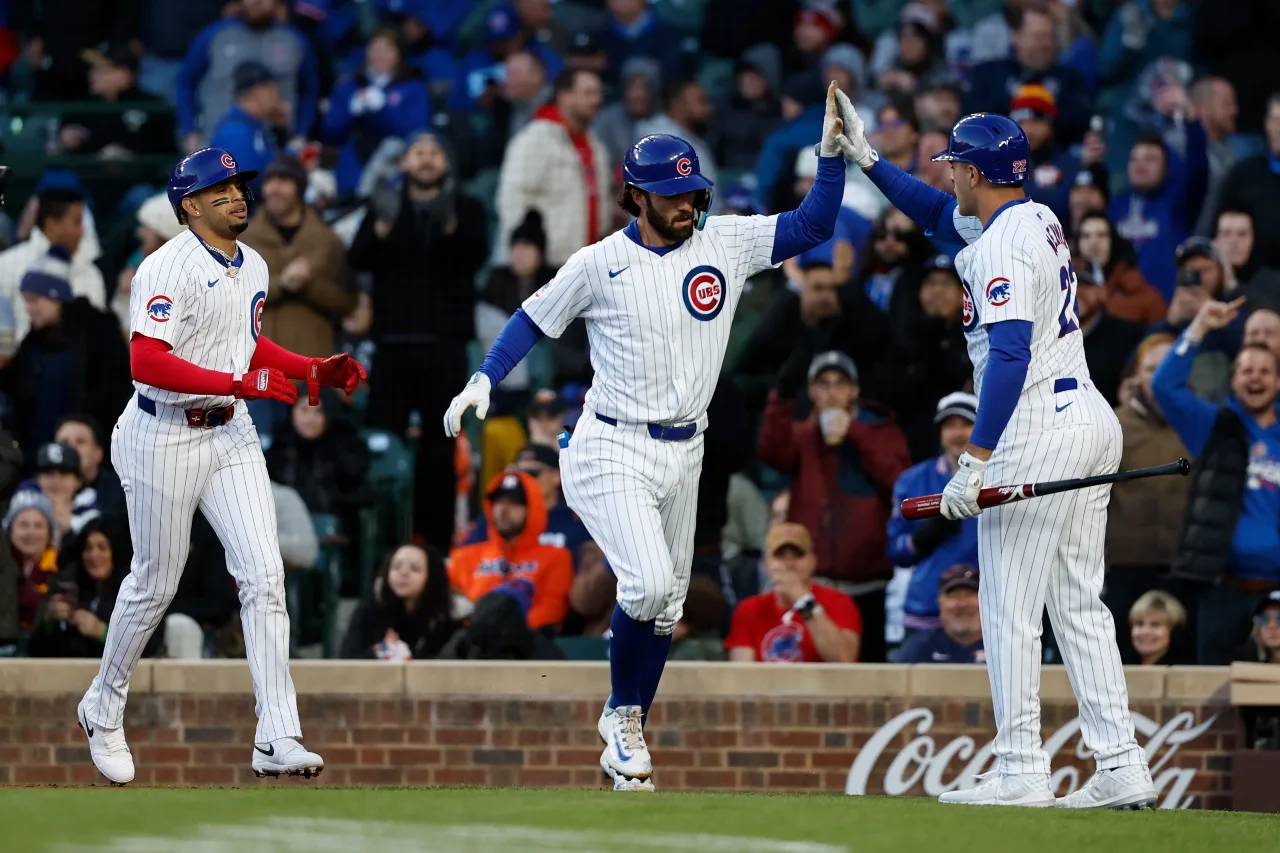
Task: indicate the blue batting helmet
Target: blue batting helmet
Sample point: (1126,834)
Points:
(667,165)
(993,144)
(201,170)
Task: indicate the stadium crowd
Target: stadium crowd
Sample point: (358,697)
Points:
(428,164)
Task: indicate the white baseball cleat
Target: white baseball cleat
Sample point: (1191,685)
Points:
(1124,789)
(625,753)
(1030,790)
(285,756)
(622,783)
(108,750)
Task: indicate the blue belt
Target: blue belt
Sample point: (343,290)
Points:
(1064,385)
(196,418)
(660,432)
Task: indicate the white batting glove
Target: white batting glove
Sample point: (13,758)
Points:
(853,141)
(960,497)
(475,394)
(832,126)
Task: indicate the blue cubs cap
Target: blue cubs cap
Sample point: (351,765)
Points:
(996,146)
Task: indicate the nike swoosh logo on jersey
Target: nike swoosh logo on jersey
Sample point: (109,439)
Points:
(269,751)
(212,283)
(1060,408)
(613,274)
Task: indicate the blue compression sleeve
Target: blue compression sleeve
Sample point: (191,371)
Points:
(930,208)
(513,343)
(814,221)
(1002,382)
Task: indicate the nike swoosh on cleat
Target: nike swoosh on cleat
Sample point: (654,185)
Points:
(88,728)
(621,753)
(212,283)
(613,274)
(269,751)
(1060,408)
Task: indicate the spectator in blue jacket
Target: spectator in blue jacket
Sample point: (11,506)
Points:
(247,129)
(633,30)
(1142,32)
(958,636)
(1035,60)
(481,73)
(206,86)
(1155,214)
(1231,534)
(935,545)
(803,105)
(386,99)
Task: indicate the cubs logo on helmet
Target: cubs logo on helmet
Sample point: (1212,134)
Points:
(968,315)
(684,166)
(999,292)
(228,162)
(704,292)
(159,307)
(255,313)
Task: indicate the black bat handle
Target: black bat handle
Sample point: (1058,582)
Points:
(1181,468)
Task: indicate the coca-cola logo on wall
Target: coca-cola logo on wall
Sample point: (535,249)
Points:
(923,762)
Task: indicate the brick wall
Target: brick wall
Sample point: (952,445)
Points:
(804,741)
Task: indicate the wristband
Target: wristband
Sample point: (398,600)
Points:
(237,386)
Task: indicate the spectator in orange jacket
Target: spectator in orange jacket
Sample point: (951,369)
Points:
(843,460)
(517,516)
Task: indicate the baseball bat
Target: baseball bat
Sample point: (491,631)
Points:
(929,506)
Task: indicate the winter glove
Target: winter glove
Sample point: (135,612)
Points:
(476,394)
(337,371)
(960,497)
(853,141)
(265,383)
(932,534)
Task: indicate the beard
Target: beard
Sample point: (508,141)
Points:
(238,227)
(426,183)
(671,231)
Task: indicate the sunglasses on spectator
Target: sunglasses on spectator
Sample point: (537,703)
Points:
(1270,617)
(895,233)
(891,124)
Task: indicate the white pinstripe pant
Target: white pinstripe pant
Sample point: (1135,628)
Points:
(638,497)
(169,470)
(1049,550)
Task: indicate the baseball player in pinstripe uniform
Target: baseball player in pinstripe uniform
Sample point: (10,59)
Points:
(658,298)
(1039,418)
(185,442)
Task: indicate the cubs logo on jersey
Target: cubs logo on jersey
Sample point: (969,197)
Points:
(968,315)
(159,308)
(704,292)
(255,313)
(999,291)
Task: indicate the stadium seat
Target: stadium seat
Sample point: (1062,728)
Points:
(388,522)
(684,15)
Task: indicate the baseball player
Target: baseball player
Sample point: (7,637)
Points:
(185,442)
(658,298)
(1039,418)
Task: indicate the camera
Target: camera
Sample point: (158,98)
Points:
(1189,278)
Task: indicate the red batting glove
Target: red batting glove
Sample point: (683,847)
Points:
(265,383)
(336,371)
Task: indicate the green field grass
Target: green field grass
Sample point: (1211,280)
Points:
(472,820)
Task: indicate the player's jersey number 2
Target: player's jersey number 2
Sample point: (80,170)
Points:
(1069,319)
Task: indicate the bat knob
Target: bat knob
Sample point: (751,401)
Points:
(1184,467)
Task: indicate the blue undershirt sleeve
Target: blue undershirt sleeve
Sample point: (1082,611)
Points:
(814,221)
(1002,381)
(513,343)
(932,209)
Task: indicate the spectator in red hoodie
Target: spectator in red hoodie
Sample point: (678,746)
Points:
(843,460)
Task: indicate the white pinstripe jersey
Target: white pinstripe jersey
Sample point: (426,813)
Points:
(183,296)
(657,324)
(1020,269)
